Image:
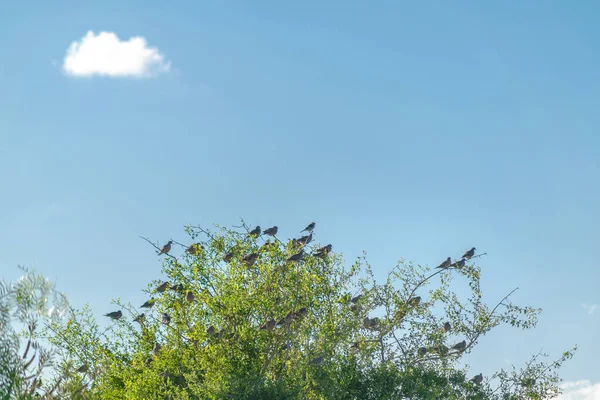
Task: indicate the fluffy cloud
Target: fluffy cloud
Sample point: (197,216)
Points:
(105,54)
(580,390)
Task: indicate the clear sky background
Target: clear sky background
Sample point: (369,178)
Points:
(403,129)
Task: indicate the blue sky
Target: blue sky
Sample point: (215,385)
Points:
(403,129)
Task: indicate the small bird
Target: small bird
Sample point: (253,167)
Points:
(176,288)
(356,299)
(309,228)
(194,248)
(162,287)
(250,259)
(189,297)
(228,256)
(211,331)
(415,301)
(469,253)
(114,315)
(477,379)
(323,251)
(446,327)
(460,346)
(166,319)
(316,361)
(301,313)
(296,257)
(148,304)
(156,348)
(140,318)
(422,351)
(304,240)
(459,264)
(166,248)
(271,231)
(445,264)
(255,232)
(83,369)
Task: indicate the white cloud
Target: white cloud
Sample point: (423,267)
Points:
(580,390)
(590,308)
(105,54)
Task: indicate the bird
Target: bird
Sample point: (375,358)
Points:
(255,232)
(211,330)
(415,301)
(459,264)
(316,361)
(323,251)
(422,351)
(309,227)
(296,257)
(193,249)
(114,315)
(356,299)
(166,248)
(162,287)
(477,379)
(83,369)
(189,297)
(140,318)
(166,319)
(176,288)
(156,348)
(304,240)
(446,327)
(460,346)
(470,253)
(301,313)
(445,264)
(250,259)
(148,304)
(271,231)
(269,325)
(228,256)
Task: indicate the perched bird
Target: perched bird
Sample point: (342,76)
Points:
(194,248)
(422,351)
(304,240)
(415,301)
(166,319)
(148,304)
(323,251)
(301,313)
(211,331)
(228,256)
(296,257)
(140,318)
(446,327)
(156,348)
(255,232)
(166,248)
(162,287)
(460,346)
(114,314)
(445,264)
(459,264)
(271,231)
(309,228)
(469,253)
(356,299)
(316,361)
(176,288)
(250,259)
(477,379)
(83,369)
(371,323)
(189,297)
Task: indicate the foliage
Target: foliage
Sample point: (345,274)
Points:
(265,327)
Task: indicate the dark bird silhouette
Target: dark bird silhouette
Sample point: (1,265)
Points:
(166,319)
(114,315)
(415,301)
(271,231)
(255,232)
(316,361)
(148,304)
(162,287)
(323,251)
(309,228)
(250,259)
(304,240)
(446,327)
(460,346)
(166,248)
(83,369)
(296,257)
(301,313)
(459,264)
(477,379)
(371,323)
(422,351)
(445,264)
(189,297)
(228,256)
(140,318)
(356,299)
(211,331)
(176,288)
(469,253)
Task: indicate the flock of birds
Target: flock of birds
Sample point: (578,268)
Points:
(322,252)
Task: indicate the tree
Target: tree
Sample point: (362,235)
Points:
(241,317)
